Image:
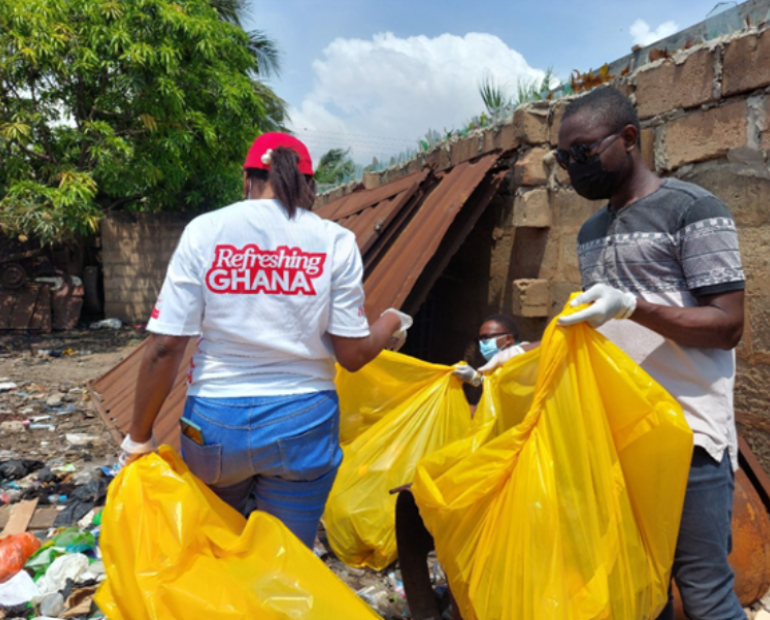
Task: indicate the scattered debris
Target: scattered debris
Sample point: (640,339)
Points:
(107,324)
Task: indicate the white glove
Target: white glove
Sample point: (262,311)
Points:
(608,303)
(131,450)
(500,358)
(468,374)
(399,336)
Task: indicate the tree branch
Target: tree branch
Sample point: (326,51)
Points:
(35,153)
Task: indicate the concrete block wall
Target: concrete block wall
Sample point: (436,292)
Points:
(136,250)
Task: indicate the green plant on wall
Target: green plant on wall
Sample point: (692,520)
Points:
(124,104)
(334,167)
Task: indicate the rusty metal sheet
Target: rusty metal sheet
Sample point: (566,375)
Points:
(370,223)
(398,226)
(113,396)
(26,308)
(362,199)
(370,213)
(391,280)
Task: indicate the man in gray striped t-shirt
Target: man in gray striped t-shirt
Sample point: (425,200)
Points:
(663,255)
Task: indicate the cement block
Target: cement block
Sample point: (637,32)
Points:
(706,134)
(671,86)
(529,169)
(532,209)
(531,298)
(531,125)
(746,64)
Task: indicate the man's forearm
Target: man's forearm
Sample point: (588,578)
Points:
(155,379)
(701,326)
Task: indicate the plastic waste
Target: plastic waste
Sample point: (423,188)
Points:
(405,409)
(107,324)
(69,566)
(18,590)
(573,512)
(71,540)
(173,549)
(51,604)
(47,427)
(14,551)
(81,502)
(18,468)
(80,439)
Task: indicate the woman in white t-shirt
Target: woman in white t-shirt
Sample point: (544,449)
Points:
(274,294)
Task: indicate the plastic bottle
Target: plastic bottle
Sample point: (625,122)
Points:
(14,552)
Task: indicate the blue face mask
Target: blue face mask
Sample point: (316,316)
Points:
(489,348)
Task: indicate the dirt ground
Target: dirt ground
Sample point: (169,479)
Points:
(48,414)
(77,355)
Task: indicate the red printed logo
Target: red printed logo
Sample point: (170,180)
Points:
(284,271)
(156,310)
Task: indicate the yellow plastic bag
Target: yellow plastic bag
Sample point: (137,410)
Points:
(172,549)
(573,513)
(393,412)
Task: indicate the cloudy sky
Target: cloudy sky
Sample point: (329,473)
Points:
(374,76)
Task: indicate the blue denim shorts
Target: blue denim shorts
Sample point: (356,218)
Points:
(282,449)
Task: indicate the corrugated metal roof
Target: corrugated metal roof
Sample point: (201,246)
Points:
(399,227)
(371,213)
(391,279)
(113,396)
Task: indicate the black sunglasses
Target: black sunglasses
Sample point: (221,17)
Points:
(581,153)
(486,337)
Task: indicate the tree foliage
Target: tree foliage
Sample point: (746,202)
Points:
(334,167)
(262,47)
(109,104)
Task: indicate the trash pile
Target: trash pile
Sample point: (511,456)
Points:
(45,422)
(54,572)
(382,590)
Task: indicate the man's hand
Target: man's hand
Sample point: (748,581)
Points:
(608,303)
(500,358)
(132,451)
(468,374)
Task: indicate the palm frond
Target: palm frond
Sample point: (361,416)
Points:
(276,109)
(266,54)
(230,10)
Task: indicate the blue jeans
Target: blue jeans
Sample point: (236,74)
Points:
(283,449)
(702,573)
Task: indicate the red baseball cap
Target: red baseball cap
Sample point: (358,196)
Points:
(259,153)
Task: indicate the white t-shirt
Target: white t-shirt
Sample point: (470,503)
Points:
(264,292)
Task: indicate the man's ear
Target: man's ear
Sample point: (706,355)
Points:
(630,137)
(245,184)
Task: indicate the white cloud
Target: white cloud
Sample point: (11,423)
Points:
(640,31)
(380,96)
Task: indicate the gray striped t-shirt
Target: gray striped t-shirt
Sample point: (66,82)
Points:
(670,248)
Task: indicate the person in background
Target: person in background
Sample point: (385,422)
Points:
(274,293)
(661,269)
(498,343)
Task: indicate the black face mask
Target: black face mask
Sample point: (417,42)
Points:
(592,180)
